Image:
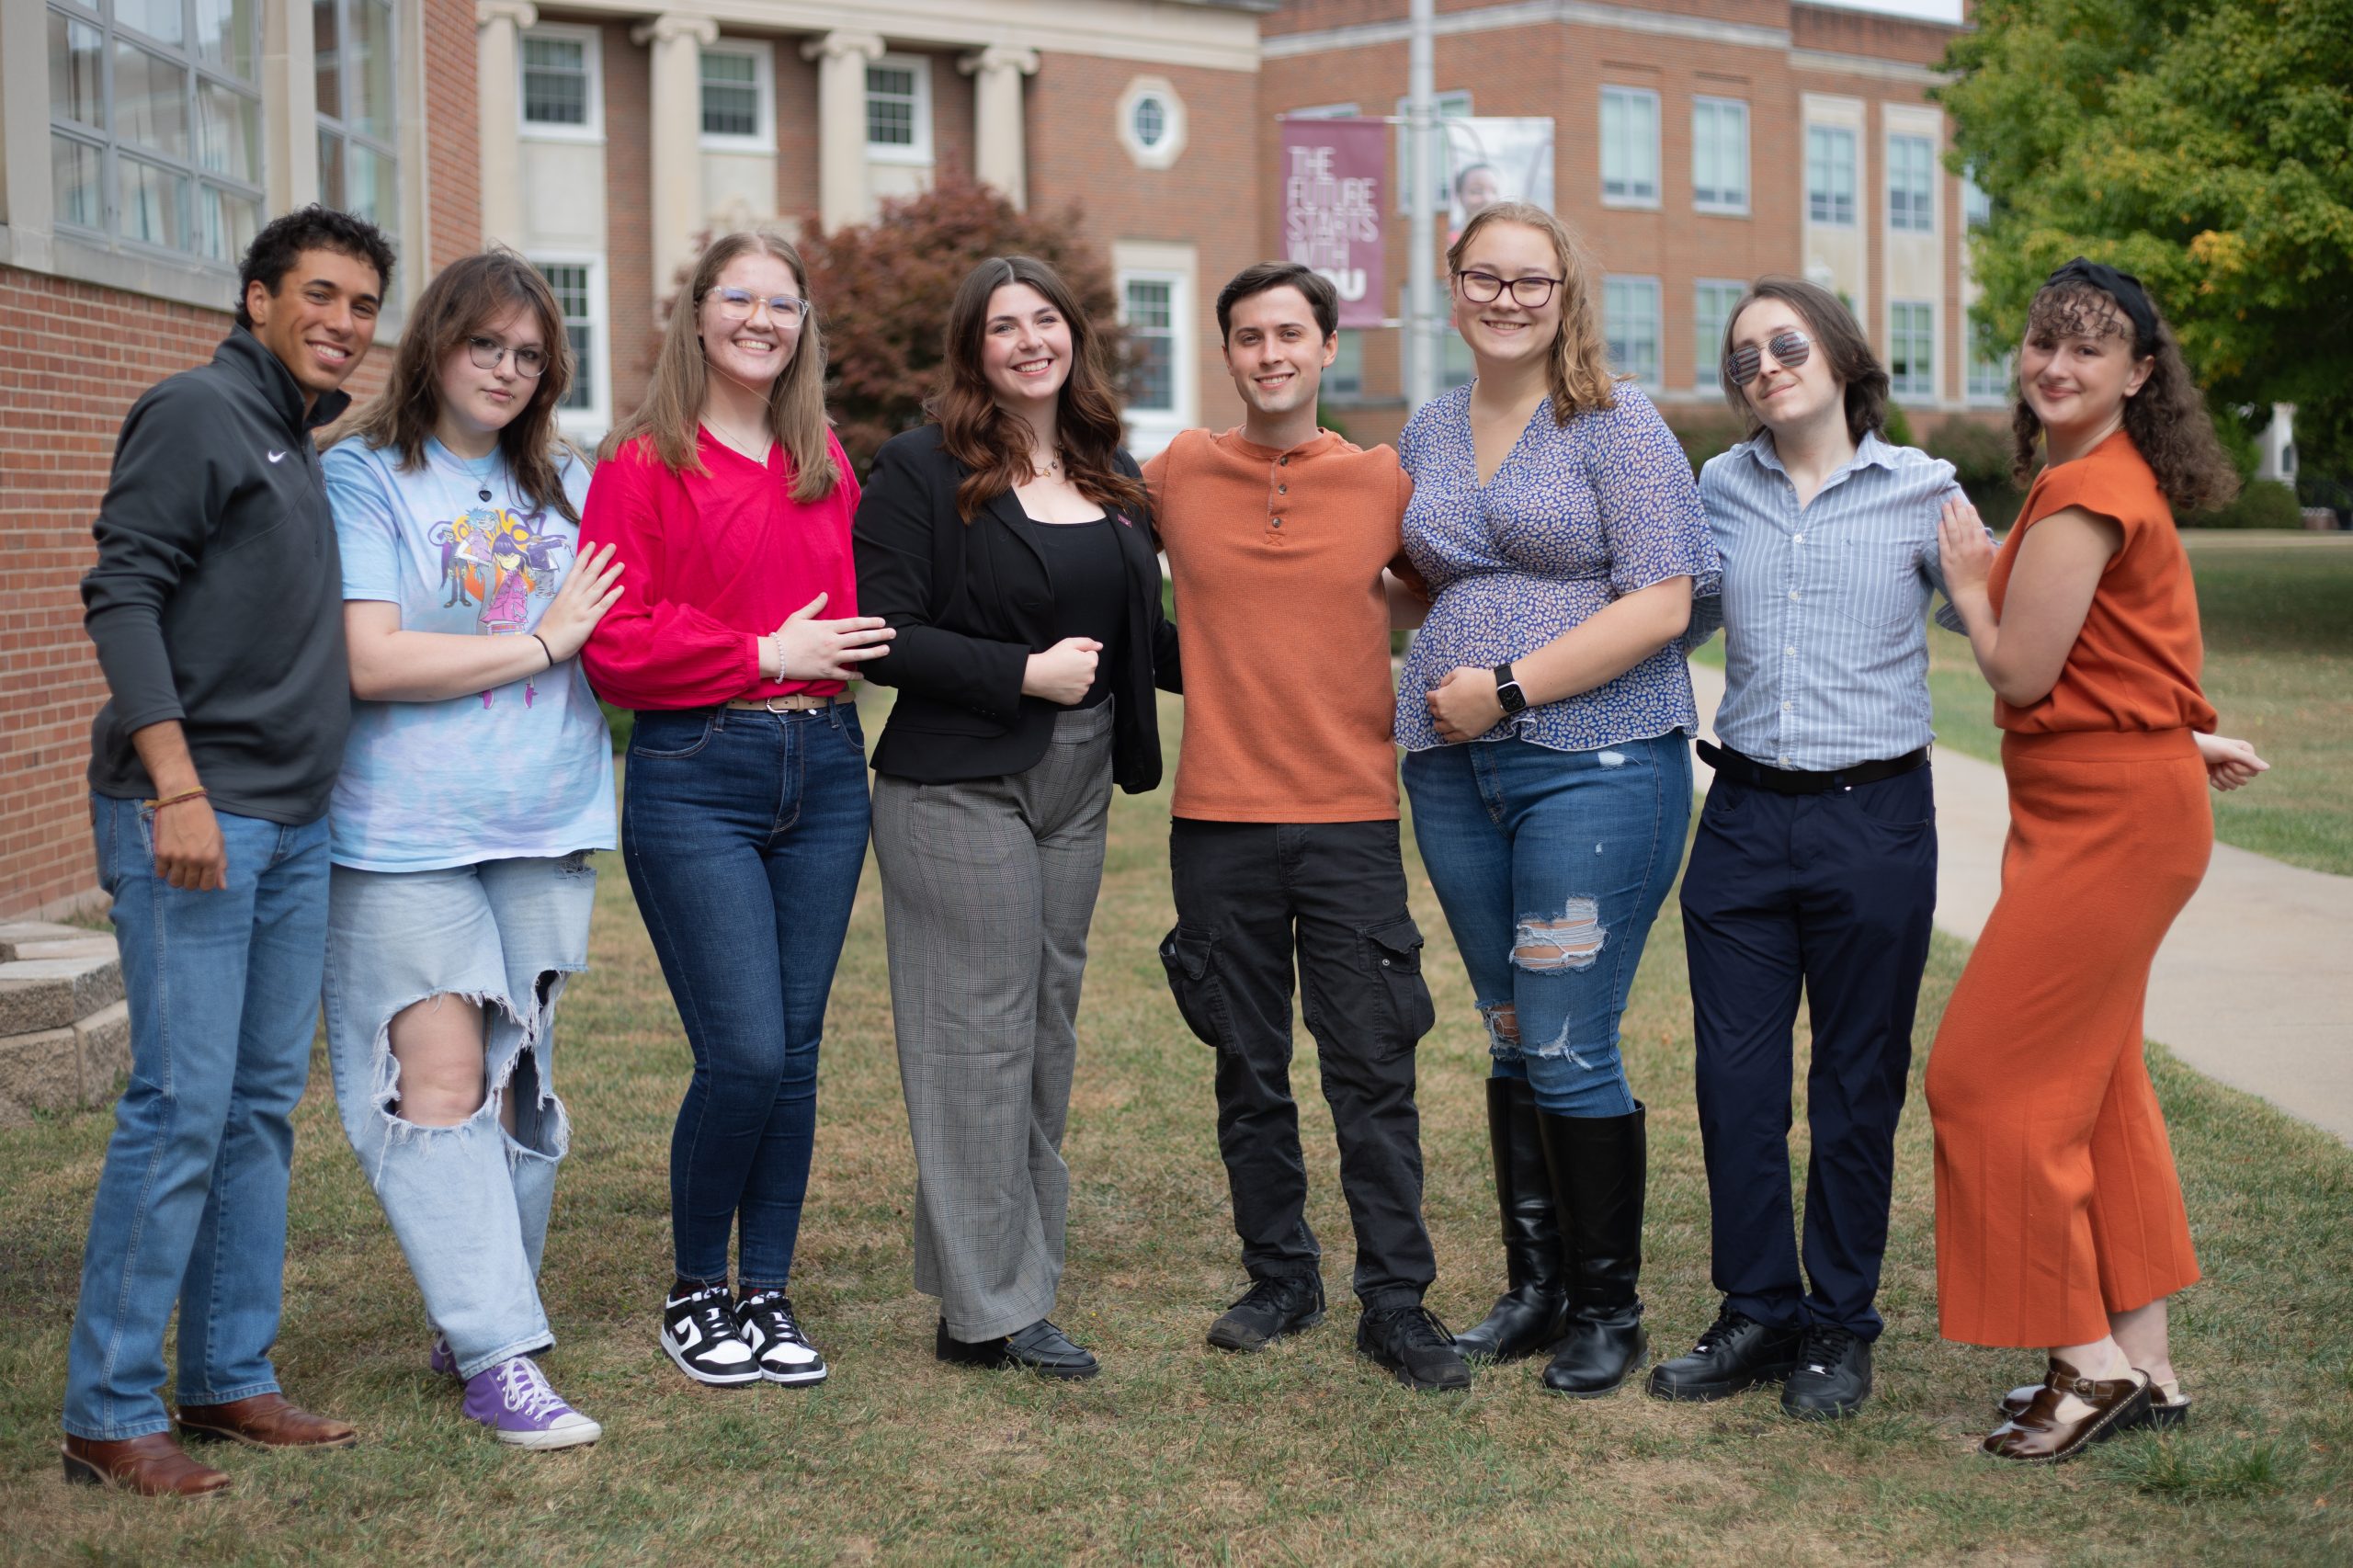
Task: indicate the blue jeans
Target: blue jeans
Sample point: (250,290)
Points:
(1550,866)
(191,1204)
(743,832)
(469,1203)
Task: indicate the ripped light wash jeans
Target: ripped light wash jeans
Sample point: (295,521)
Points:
(469,1204)
(1550,866)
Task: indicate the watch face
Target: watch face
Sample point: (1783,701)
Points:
(1511,697)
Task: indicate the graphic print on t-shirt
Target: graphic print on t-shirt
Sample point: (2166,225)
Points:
(493,559)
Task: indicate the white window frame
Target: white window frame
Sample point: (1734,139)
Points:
(1920,203)
(592,63)
(1175,128)
(1977,206)
(339,126)
(1911,384)
(1854,191)
(1708,350)
(588,426)
(1619,280)
(919,65)
(1987,382)
(1649,100)
(1719,107)
(1139,261)
(763,57)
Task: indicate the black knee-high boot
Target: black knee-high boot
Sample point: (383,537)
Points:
(1528,1317)
(1598,1167)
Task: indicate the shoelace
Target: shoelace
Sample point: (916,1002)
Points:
(525,1389)
(776,1309)
(711,1313)
(1825,1342)
(1727,1323)
(1422,1326)
(1277,1291)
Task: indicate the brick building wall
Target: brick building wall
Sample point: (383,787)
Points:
(77,356)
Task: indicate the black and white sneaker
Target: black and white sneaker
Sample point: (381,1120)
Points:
(699,1334)
(781,1351)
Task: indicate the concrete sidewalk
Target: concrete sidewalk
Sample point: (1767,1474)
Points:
(2254,986)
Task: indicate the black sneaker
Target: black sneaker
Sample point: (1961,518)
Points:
(1271,1308)
(785,1356)
(1412,1343)
(699,1334)
(1833,1376)
(1737,1352)
(1041,1349)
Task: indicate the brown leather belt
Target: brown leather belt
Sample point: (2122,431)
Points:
(791,702)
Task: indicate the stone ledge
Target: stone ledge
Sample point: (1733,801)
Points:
(64,1026)
(54,993)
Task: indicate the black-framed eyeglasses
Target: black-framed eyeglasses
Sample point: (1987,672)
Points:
(1527,293)
(737,304)
(1789,349)
(487,352)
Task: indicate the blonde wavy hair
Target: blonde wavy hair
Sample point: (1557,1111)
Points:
(1579,373)
(667,419)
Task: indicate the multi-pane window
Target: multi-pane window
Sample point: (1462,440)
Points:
(731,92)
(1630,320)
(568,280)
(1713,302)
(1149,311)
(1630,145)
(1720,155)
(156,122)
(1976,206)
(1830,175)
(898,108)
(1989,379)
(558,85)
(1343,376)
(1911,349)
(1911,183)
(358,116)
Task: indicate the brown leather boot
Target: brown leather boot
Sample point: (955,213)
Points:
(2040,1435)
(266,1421)
(153,1466)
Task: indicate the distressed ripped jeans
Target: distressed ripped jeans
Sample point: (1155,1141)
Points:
(1550,866)
(469,1203)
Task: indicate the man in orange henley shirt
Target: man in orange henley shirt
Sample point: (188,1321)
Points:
(1284,830)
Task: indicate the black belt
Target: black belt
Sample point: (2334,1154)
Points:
(1788,782)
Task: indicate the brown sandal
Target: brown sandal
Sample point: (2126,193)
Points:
(2040,1435)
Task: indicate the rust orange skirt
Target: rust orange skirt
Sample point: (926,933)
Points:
(2056,1199)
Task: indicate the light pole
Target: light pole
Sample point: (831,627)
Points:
(1421,319)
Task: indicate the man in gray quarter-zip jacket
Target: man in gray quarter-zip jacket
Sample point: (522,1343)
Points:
(216,609)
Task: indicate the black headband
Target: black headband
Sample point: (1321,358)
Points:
(2121,286)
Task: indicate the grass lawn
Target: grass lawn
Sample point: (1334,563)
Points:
(1179,1454)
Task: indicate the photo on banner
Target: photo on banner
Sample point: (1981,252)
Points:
(1492,159)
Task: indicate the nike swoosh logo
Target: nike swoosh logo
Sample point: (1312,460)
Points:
(276,456)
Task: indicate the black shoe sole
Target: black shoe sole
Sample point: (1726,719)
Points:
(1247,1346)
(1604,1393)
(995,1356)
(1417,1384)
(1825,1412)
(1661,1387)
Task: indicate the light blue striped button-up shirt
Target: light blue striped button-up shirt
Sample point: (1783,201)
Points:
(1825,606)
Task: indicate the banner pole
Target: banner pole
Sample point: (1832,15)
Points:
(1421,329)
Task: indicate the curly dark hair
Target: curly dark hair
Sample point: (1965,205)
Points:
(283,240)
(2167,418)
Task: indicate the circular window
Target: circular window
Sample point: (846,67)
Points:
(1148,120)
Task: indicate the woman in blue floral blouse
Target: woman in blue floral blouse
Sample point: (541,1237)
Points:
(1545,711)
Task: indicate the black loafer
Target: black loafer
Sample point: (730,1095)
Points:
(1041,1349)
(1832,1377)
(1737,1352)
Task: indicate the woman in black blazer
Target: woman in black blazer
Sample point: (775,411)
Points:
(1008,545)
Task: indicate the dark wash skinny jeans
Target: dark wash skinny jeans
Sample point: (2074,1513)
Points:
(743,832)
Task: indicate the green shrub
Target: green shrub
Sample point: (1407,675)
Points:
(2264,503)
(1898,429)
(1704,433)
(1980,454)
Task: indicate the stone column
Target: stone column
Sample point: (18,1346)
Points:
(841,57)
(999,158)
(673,145)
(499,90)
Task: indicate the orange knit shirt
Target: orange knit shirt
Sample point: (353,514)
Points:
(2136,663)
(1276,558)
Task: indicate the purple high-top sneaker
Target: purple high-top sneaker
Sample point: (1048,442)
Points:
(513,1401)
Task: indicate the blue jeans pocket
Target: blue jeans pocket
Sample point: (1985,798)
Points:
(669,736)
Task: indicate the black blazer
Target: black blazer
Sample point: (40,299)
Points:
(970,603)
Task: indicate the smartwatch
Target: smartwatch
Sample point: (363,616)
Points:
(1507,691)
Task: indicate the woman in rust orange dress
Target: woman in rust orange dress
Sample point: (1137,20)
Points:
(2060,1222)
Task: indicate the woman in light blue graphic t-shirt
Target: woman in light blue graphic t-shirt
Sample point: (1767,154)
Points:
(478,779)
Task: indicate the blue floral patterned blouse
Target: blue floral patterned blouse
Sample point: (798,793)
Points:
(1576,517)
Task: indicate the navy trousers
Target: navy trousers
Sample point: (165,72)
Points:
(1830,894)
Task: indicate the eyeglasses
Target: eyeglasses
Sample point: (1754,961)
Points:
(737,304)
(1527,293)
(1790,350)
(487,352)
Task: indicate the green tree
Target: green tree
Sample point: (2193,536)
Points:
(883,288)
(2204,145)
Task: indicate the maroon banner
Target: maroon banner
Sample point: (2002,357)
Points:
(1331,177)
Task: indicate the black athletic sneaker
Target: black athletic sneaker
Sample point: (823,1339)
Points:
(1737,1352)
(785,1356)
(1412,1343)
(698,1333)
(1833,1376)
(1271,1308)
